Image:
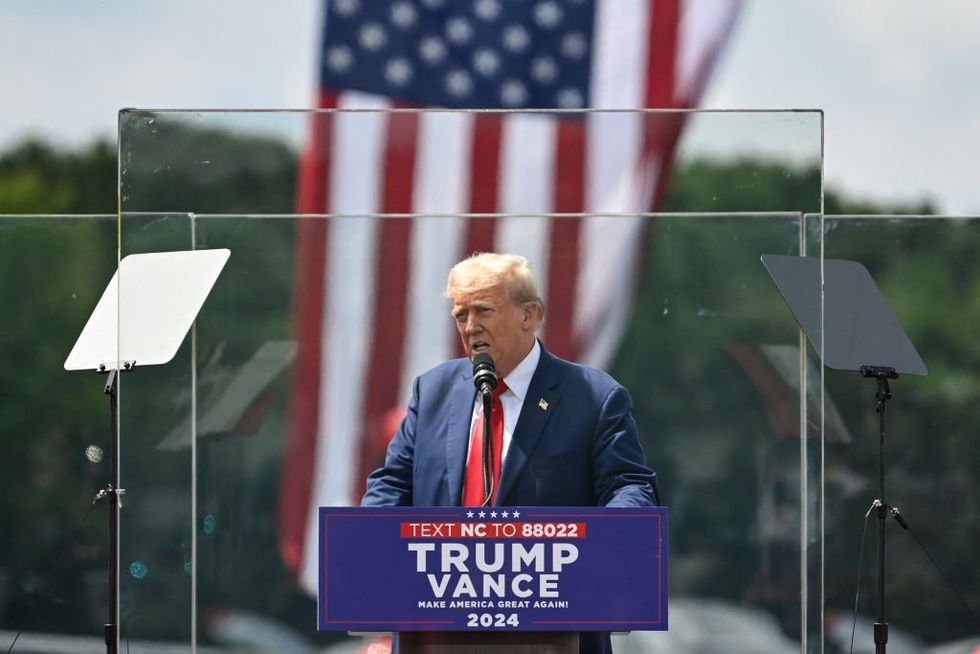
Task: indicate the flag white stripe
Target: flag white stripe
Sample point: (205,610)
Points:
(359,142)
(608,244)
(347,318)
(430,337)
(703,28)
(441,187)
(606,280)
(619,63)
(529,237)
(348,313)
(527,164)
(527,183)
(442,176)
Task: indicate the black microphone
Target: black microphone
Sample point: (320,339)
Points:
(485,380)
(484,374)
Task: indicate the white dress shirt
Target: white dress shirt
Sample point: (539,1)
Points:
(512,399)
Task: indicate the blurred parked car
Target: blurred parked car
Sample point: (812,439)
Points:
(711,626)
(969,645)
(838,632)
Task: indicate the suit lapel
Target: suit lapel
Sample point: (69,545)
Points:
(540,402)
(458,434)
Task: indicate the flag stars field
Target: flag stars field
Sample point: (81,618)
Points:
(487,9)
(548,14)
(403,14)
(516,38)
(398,71)
(346,7)
(373,37)
(486,62)
(340,59)
(459,31)
(432,49)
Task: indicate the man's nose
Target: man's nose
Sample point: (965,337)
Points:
(473,325)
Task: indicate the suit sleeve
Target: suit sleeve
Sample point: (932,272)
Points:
(391,485)
(621,475)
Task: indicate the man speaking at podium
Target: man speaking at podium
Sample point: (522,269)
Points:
(562,433)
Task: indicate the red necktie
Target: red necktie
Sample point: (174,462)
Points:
(473,484)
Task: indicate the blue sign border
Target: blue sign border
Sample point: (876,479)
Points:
(618,580)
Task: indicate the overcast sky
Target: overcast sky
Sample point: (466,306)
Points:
(898,79)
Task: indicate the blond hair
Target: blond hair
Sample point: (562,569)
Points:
(484,270)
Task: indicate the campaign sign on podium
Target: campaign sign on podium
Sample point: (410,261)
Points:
(493,569)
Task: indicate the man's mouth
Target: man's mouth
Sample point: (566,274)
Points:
(480,346)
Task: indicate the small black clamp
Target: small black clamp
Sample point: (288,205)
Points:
(114,495)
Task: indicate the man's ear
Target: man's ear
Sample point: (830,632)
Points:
(530,318)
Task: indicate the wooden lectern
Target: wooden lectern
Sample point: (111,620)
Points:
(488,642)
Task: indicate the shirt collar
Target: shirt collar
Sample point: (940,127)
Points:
(519,378)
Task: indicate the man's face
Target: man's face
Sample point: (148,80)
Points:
(489,322)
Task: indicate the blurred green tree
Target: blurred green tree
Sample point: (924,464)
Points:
(707,429)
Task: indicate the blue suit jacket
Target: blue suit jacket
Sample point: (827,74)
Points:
(582,450)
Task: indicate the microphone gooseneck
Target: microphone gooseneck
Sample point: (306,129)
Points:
(484,373)
(485,380)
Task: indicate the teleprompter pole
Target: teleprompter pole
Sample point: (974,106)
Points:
(163,292)
(113,496)
(883,394)
(848,323)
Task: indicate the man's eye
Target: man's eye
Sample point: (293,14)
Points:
(486,311)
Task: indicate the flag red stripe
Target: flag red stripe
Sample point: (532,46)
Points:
(660,130)
(383,380)
(484,182)
(299,456)
(662,53)
(563,259)
(484,168)
(663,130)
(661,59)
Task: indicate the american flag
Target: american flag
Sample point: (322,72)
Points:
(368,309)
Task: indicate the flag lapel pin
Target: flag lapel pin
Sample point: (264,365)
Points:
(542,404)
